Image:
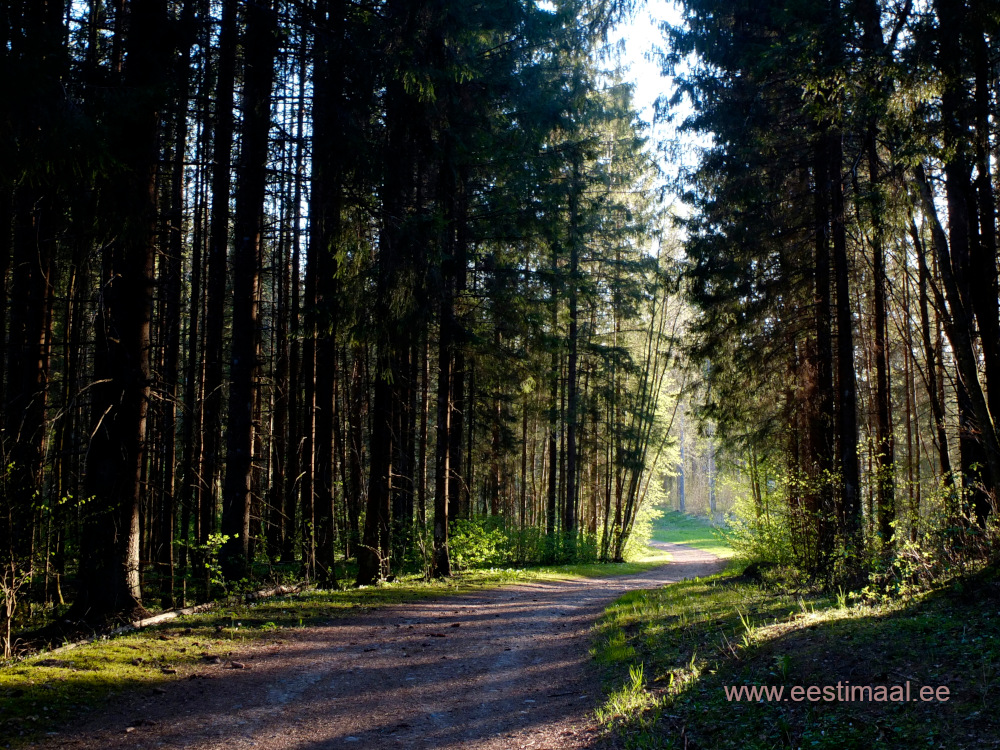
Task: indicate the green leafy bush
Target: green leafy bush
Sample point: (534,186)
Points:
(487,541)
(762,530)
(476,543)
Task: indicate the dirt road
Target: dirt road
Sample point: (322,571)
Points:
(504,668)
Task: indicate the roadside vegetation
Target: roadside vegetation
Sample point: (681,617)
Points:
(668,656)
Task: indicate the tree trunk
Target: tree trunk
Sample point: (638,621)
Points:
(931,359)
(391,270)
(295,455)
(260,45)
(983,261)
(819,442)
(109,555)
(976,423)
(850,467)
(326,206)
(443,475)
(874,45)
(960,328)
(40,55)
(171,323)
(215,295)
(885,459)
(572,386)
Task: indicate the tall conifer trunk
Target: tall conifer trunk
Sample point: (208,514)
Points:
(391,264)
(325,213)
(874,45)
(35,210)
(572,386)
(931,358)
(986,299)
(215,294)
(979,440)
(260,46)
(171,322)
(818,401)
(109,569)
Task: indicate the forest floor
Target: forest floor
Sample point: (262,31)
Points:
(681,653)
(507,667)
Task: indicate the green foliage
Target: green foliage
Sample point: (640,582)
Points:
(940,556)
(476,543)
(642,531)
(209,554)
(628,699)
(492,540)
(762,530)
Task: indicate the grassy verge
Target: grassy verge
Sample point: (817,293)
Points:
(669,655)
(51,689)
(680,528)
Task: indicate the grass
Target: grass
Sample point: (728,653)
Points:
(680,528)
(692,639)
(51,689)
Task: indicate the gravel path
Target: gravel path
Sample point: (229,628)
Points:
(504,668)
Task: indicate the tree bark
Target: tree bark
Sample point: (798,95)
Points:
(109,555)
(215,294)
(960,330)
(260,44)
(850,467)
(572,386)
(931,358)
(39,54)
(171,321)
(986,299)
(976,423)
(325,214)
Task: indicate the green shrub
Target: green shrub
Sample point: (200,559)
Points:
(762,531)
(486,541)
(637,544)
(477,543)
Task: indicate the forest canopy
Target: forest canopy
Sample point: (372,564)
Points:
(324,289)
(311,286)
(842,261)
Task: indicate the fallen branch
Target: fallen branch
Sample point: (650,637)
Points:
(172,614)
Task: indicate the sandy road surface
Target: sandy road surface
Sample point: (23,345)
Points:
(502,668)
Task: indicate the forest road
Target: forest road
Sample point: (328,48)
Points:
(502,668)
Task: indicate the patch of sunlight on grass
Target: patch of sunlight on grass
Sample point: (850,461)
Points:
(614,649)
(696,531)
(630,698)
(653,559)
(655,556)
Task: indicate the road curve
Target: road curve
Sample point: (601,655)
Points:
(502,668)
